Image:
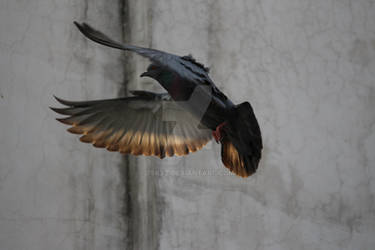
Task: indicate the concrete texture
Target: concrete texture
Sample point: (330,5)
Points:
(307,67)
(55,192)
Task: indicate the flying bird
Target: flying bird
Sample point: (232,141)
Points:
(183,120)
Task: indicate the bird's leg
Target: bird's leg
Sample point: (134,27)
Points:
(217,132)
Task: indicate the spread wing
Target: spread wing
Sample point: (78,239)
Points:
(166,68)
(242,146)
(186,67)
(148,124)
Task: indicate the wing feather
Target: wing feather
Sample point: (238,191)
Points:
(131,125)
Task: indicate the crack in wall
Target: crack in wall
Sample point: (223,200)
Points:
(125,165)
(139,215)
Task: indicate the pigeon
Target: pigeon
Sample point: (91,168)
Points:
(181,121)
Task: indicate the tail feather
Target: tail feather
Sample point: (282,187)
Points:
(242,146)
(240,165)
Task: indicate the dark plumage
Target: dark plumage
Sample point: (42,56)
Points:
(175,123)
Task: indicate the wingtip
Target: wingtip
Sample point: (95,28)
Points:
(59,99)
(53,109)
(64,121)
(64,102)
(56,98)
(83,27)
(61,111)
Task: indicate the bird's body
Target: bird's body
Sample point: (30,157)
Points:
(179,122)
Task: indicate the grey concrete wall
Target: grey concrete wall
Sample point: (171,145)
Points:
(56,193)
(307,67)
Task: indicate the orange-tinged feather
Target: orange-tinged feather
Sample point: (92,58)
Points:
(232,160)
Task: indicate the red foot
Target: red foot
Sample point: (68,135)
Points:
(217,133)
